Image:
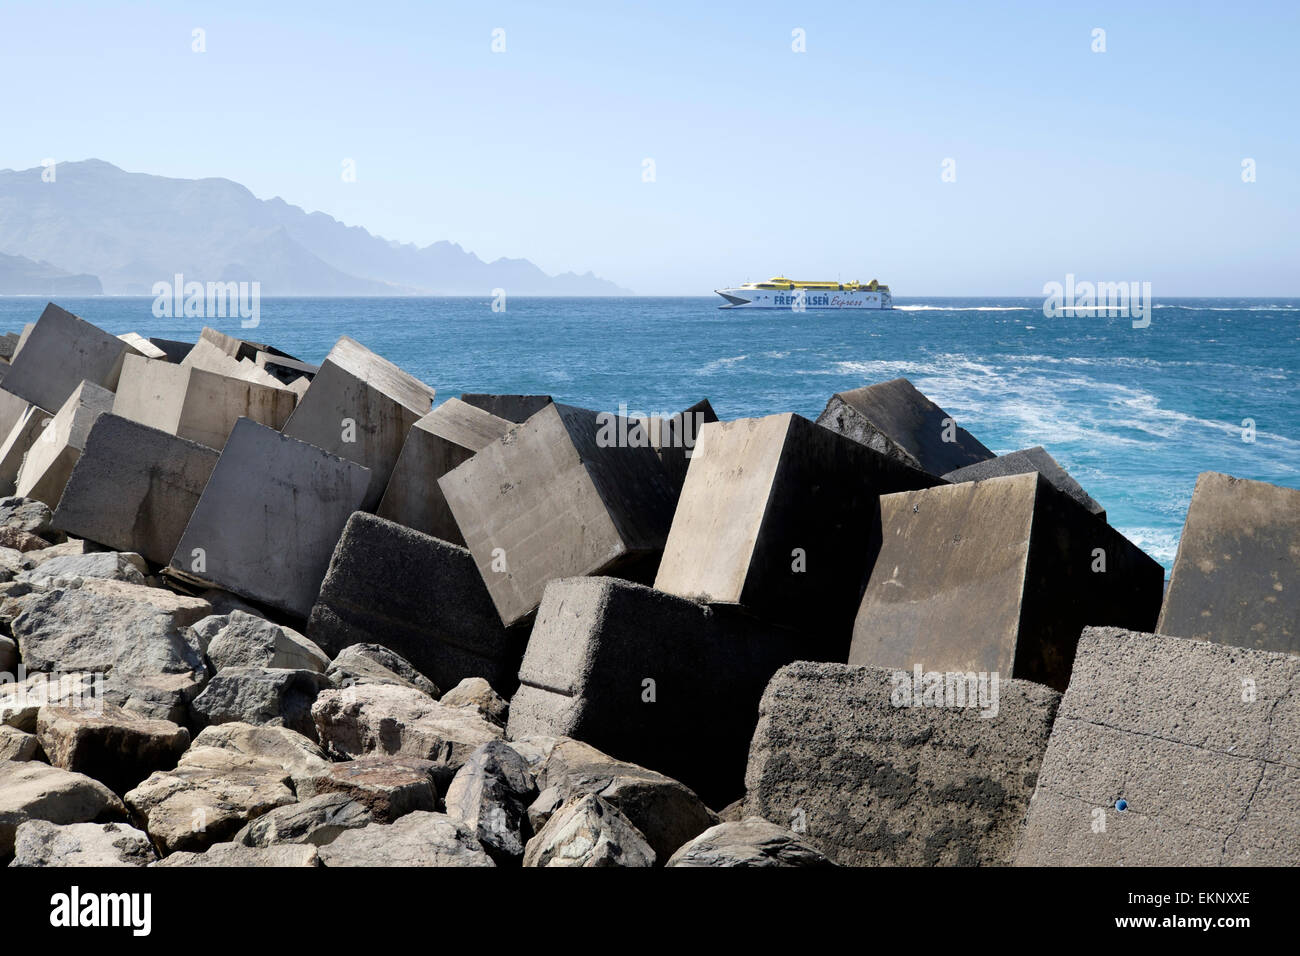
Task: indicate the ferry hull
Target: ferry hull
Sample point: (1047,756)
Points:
(796,300)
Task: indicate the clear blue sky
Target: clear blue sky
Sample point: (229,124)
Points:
(1123,165)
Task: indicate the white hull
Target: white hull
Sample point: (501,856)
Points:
(797,300)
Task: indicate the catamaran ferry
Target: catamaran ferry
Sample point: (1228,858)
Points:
(782,293)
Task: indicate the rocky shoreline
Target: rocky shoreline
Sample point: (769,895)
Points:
(255,612)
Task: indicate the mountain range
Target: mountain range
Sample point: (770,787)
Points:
(96,224)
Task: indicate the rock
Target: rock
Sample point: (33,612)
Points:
(490,794)
(316,820)
(8,655)
(1170,752)
(417,839)
(114,746)
(376,664)
(37,791)
(278,697)
(287,749)
(105,565)
(17,745)
(210,795)
(872,772)
(589,832)
(418,596)
(20,540)
(1022,462)
(666,812)
(388,787)
(238,855)
(41,843)
(733,812)
(73,546)
(752,841)
(388,719)
(25,514)
(248,641)
(477,693)
(22,700)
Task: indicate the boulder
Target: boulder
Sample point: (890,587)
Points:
(275,696)
(41,843)
(417,839)
(476,693)
(21,541)
(376,664)
(36,791)
(112,745)
(238,855)
(874,770)
(1170,752)
(22,700)
(895,419)
(8,654)
(247,641)
(269,518)
(570,492)
(315,820)
(418,596)
(71,569)
(752,841)
(360,406)
(490,794)
(25,514)
(287,749)
(388,787)
(998,576)
(17,745)
(134,488)
(1236,579)
(589,832)
(1034,459)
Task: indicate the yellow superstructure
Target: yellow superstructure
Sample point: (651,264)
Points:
(781,282)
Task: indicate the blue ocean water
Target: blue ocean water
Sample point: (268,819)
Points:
(1133,414)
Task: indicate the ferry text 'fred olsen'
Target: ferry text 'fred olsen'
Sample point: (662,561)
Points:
(783,293)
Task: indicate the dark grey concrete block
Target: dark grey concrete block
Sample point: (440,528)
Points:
(513,408)
(1021,463)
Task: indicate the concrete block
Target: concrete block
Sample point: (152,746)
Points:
(62,352)
(1200,741)
(1022,463)
(418,596)
(513,408)
(1236,579)
(782,517)
(998,575)
(846,760)
(675,438)
(360,406)
(134,488)
(210,357)
(30,426)
(268,519)
(285,369)
(193,403)
(8,345)
(172,350)
(895,419)
(51,457)
(142,345)
(436,444)
(560,496)
(12,410)
(651,678)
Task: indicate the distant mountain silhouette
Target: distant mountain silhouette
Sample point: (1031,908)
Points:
(22,276)
(132,230)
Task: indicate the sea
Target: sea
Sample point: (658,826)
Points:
(1134,414)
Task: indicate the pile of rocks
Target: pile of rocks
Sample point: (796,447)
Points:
(255,612)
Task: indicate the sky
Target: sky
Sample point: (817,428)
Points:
(1122,165)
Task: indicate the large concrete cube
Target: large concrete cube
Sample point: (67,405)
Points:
(269,517)
(675,437)
(897,420)
(51,457)
(651,678)
(1022,463)
(436,444)
(418,596)
(360,406)
(193,403)
(998,575)
(1236,579)
(562,495)
(782,517)
(62,352)
(513,408)
(873,774)
(1170,752)
(134,488)
(30,426)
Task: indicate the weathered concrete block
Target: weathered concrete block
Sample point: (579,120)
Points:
(172,350)
(649,677)
(52,456)
(360,406)
(436,444)
(220,353)
(192,403)
(895,419)
(675,437)
(29,427)
(513,408)
(998,576)
(134,488)
(142,345)
(62,352)
(1022,463)
(12,410)
(560,496)
(782,517)
(1199,741)
(1236,579)
(268,519)
(418,596)
(870,779)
